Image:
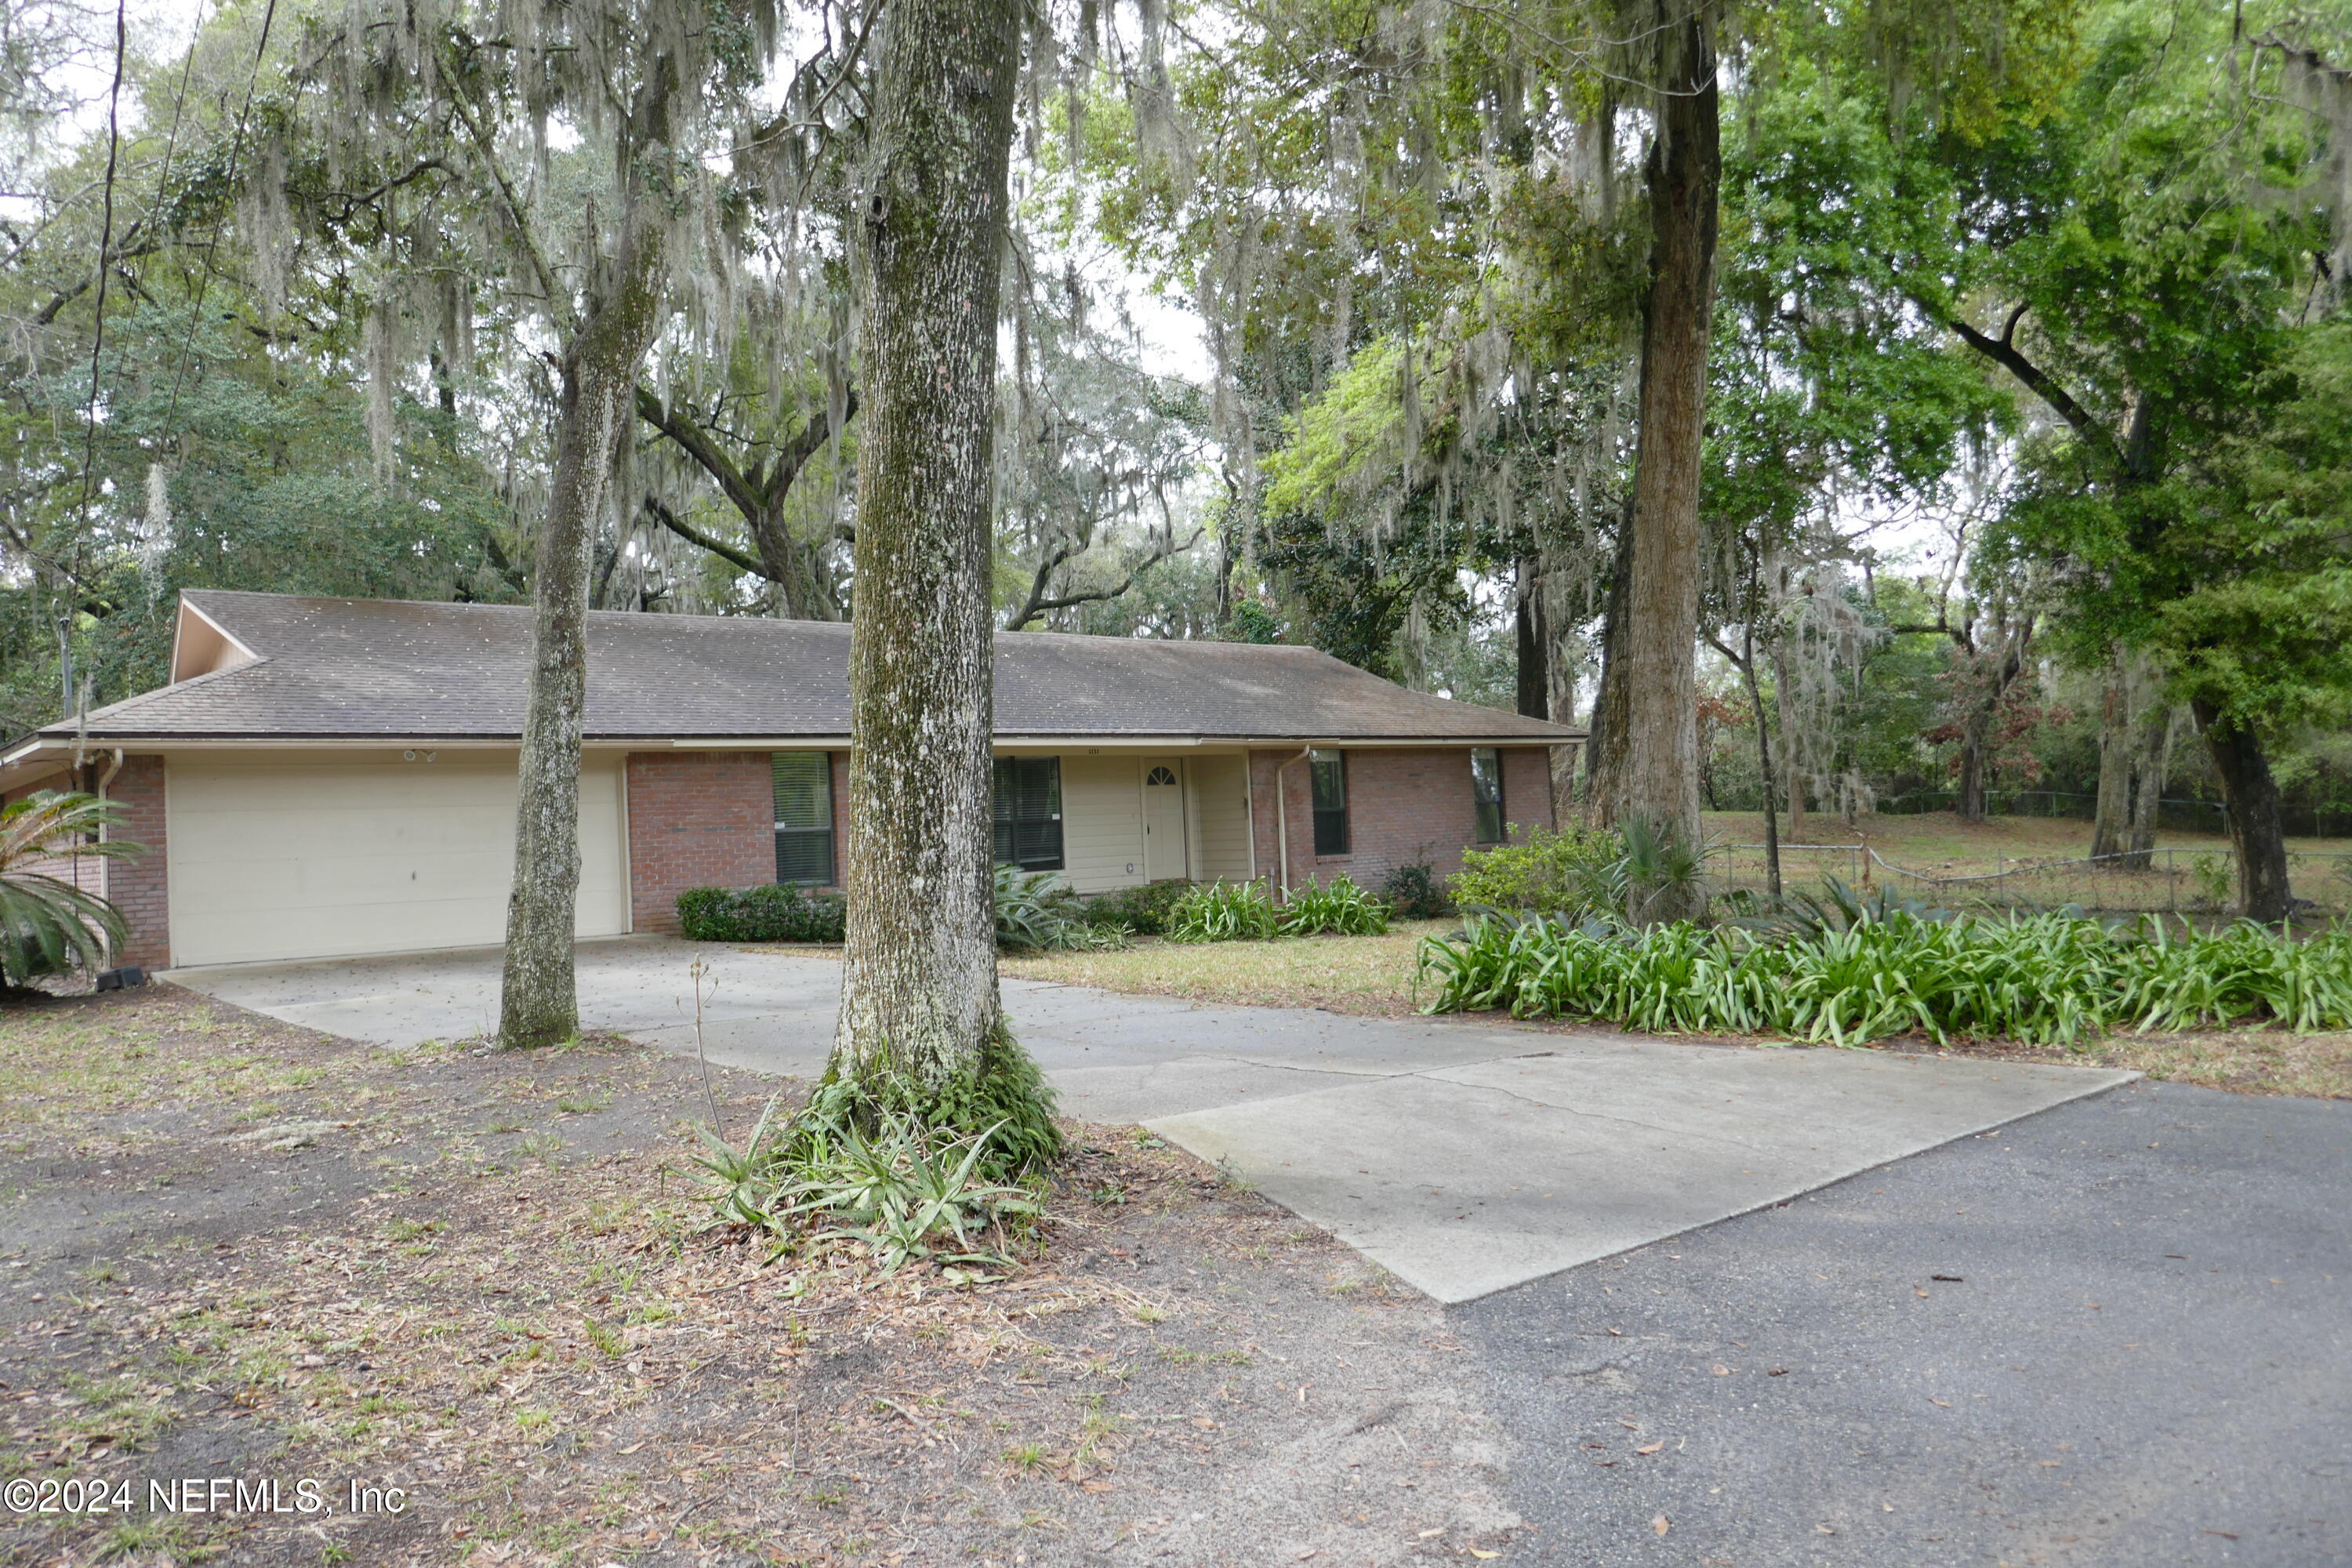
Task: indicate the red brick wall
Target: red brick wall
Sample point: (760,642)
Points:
(140,887)
(696,819)
(1403,805)
(1527,787)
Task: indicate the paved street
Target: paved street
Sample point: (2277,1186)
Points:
(2144,1359)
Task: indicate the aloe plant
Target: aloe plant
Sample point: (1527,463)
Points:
(47,925)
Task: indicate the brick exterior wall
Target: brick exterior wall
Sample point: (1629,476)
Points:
(696,819)
(140,887)
(1403,805)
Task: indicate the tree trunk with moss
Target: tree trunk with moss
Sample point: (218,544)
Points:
(918,997)
(1658,776)
(539,1003)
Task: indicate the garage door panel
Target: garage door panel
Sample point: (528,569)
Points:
(298,859)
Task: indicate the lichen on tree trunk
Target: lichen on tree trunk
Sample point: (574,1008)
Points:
(1657,778)
(539,1003)
(918,997)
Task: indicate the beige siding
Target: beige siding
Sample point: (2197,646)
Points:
(1221,823)
(1102,821)
(290,857)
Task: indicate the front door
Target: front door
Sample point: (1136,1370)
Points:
(1163,821)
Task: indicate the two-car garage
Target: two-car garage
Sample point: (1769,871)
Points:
(317,855)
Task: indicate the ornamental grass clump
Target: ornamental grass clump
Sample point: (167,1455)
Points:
(1224,911)
(2041,979)
(1337,908)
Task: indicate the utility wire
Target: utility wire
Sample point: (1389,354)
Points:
(212,248)
(105,249)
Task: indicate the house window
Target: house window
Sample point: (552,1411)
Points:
(1330,774)
(1029,813)
(1487,793)
(803,817)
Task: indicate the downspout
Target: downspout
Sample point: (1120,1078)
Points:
(1282,817)
(105,878)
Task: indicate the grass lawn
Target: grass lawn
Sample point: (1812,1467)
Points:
(1364,974)
(231,1248)
(2023,853)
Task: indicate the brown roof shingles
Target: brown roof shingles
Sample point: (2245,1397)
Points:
(366,667)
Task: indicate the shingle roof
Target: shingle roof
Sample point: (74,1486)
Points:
(368,668)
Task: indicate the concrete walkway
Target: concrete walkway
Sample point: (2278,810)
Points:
(1463,1157)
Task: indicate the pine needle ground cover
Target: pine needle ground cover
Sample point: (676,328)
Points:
(232,1247)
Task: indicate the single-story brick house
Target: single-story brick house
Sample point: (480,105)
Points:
(331,777)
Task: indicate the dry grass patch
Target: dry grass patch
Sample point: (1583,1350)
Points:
(1369,976)
(2245,1062)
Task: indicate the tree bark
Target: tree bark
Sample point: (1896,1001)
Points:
(919,996)
(2111,826)
(539,1003)
(1534,667)
(2151,764)
(2251,796)
(1793,783)
(1604,758)
(1971,805)
(1660,777)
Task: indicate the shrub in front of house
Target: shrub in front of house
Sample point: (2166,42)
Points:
(1037,912)
(1414,891)
(1143,908)
(778,911)
(1573,871)
(1336,907)
(1224,911)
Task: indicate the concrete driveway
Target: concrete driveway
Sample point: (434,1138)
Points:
(1463,1157)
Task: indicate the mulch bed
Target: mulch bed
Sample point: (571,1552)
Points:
(477,1287)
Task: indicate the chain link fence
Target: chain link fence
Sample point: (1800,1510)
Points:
(2168,881)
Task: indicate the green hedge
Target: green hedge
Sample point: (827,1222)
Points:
(778,911)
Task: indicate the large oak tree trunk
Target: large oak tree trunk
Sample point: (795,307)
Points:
(1604,748)
(2252,797)
(1660,775)
(2111,826)
(918,993)
(540,1002)
(1533,646)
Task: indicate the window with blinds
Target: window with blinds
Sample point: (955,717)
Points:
(1029,813)
(1330,775)
(1487,793)
(803,817)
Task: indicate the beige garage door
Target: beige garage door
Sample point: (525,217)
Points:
(280,858)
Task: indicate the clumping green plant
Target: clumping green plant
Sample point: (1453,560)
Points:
(1413,891)
(907,1190)
(776,912)
(1036,912)
(1142,908)
(2051,978)
(1224,911)
(1338,908)
(1573,871)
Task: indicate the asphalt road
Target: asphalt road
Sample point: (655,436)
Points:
(2144,1357)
